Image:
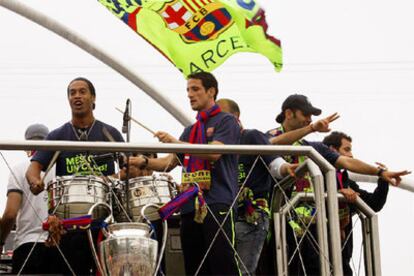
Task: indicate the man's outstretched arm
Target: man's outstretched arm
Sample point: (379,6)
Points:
(290,137)
(358,166)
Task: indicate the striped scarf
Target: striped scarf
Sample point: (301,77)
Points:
(198,136)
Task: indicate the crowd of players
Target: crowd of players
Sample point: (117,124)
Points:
(228,219)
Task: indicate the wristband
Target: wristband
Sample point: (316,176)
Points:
(312,128)
(380,171)
(145,164)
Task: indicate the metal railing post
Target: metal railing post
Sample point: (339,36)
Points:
(370,234)
(365,225)
(333,223)
(280,220)
(279,245)
(375,245)
(321,222)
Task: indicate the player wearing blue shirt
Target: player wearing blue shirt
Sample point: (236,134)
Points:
(216,174)
(82,127)
(69,163)
(255,180)
(342,143)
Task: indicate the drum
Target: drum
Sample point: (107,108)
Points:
(157,189)
(72,196)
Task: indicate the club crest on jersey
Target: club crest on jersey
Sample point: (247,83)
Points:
(196,20)
(210,131)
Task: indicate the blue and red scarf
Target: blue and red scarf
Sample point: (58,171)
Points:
(192,164)
(198,136)
(176,203)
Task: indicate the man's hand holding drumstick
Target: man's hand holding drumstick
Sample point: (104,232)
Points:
(165,137)
(37,185)
(162,136)
(159,164)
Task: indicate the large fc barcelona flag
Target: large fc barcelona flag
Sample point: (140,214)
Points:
(199,35)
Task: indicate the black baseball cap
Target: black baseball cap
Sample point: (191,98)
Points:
(297,101)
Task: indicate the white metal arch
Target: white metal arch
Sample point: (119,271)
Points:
(70,35)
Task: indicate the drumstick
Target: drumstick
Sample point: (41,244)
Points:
(135,121)
(108,135)
(52,162)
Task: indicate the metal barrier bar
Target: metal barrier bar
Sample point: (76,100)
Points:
(320,217)
(165,148)
(280,216)
(328,169)
(370,233)
(333,219)
(375,245)
(368,258)
(369,224)
(373,266)
(321,231)
(279,240)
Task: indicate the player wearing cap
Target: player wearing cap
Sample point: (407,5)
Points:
(27,212)
(296,123)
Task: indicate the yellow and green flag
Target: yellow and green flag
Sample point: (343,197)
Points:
(199,35)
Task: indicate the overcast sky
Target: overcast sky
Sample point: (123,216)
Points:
(352,57)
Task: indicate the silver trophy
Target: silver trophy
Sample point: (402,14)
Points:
(128,250)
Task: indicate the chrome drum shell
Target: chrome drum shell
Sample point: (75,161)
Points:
(73,196)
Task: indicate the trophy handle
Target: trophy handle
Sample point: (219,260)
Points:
(90,238)
(164,232)
(164,241)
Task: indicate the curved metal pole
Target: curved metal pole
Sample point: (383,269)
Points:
(70,35)
(321,221)
(332,204)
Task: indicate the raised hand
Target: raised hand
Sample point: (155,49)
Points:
(323,124)
(394,178)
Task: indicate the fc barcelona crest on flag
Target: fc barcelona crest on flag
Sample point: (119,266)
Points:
(196,20)
(199,35)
